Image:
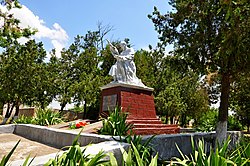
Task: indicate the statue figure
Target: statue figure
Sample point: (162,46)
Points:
(124,70)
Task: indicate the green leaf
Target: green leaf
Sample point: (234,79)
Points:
(6,158)
(113,160)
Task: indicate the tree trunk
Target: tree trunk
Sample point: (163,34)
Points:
(17,111)
(171,119)
(166,121)
(8,113)
(84,109)
(183,120)
(221,130)
(9,110)
(62,106)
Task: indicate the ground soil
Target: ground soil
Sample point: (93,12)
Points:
(25,148)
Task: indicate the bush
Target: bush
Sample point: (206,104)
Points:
(46,117)
(75,156)
(144,150)
(25,120)
(208,121)
(43,117)
(115,124)
(217,157)
(234,124)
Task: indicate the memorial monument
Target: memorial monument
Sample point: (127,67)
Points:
(127,91)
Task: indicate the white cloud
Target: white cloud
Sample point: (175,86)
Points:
(56,34)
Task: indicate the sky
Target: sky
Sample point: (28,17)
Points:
(59,21)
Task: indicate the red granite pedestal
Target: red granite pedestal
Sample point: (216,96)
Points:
(139,103)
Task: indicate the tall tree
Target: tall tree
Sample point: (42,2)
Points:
(10,32)
(240,98)
(19,72)
(177,90)
(210,36)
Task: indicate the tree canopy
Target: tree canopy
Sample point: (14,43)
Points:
(211,36)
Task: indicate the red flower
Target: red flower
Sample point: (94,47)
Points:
(81,124)
(78,125)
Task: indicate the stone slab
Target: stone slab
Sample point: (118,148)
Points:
(112,85)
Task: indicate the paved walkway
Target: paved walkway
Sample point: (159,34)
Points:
(25,147)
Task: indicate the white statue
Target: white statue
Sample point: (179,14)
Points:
(124,70)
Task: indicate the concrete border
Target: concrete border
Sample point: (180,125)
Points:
(7,128)
(165,145)
(57,137)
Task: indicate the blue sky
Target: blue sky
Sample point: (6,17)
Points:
(59,21)
(128,18)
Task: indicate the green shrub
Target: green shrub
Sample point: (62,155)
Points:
(133,157)
(78,109)
(234,124)
(75,156)
(115,124)
(144,149)
(217,157)
(208,121)
(25,120)
(46,117)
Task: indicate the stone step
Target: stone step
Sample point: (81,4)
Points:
(144,121)
(152,131)
(143,125)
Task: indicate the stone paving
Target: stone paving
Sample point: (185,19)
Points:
(25,148)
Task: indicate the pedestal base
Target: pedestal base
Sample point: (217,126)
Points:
(139,103)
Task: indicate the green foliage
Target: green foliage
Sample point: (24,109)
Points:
(5,159)
(25,120)
(210,36)
(115,124)
(78,109)
(143,149)
(234,124)
(75,156)
(219,156)
(239,101)
(177,89)
(133,157)
(46,117)
(207,122)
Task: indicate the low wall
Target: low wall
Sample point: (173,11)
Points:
(60,138)
(165,145)
(57,137)
(7,128)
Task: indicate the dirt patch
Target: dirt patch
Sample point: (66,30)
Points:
(26,147)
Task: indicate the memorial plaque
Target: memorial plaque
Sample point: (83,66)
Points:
(109,102)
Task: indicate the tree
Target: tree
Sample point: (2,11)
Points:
(10,32)
(177,90)
(240,99)
(20,74)
(210,36)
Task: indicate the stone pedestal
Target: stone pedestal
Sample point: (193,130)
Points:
(138,101)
